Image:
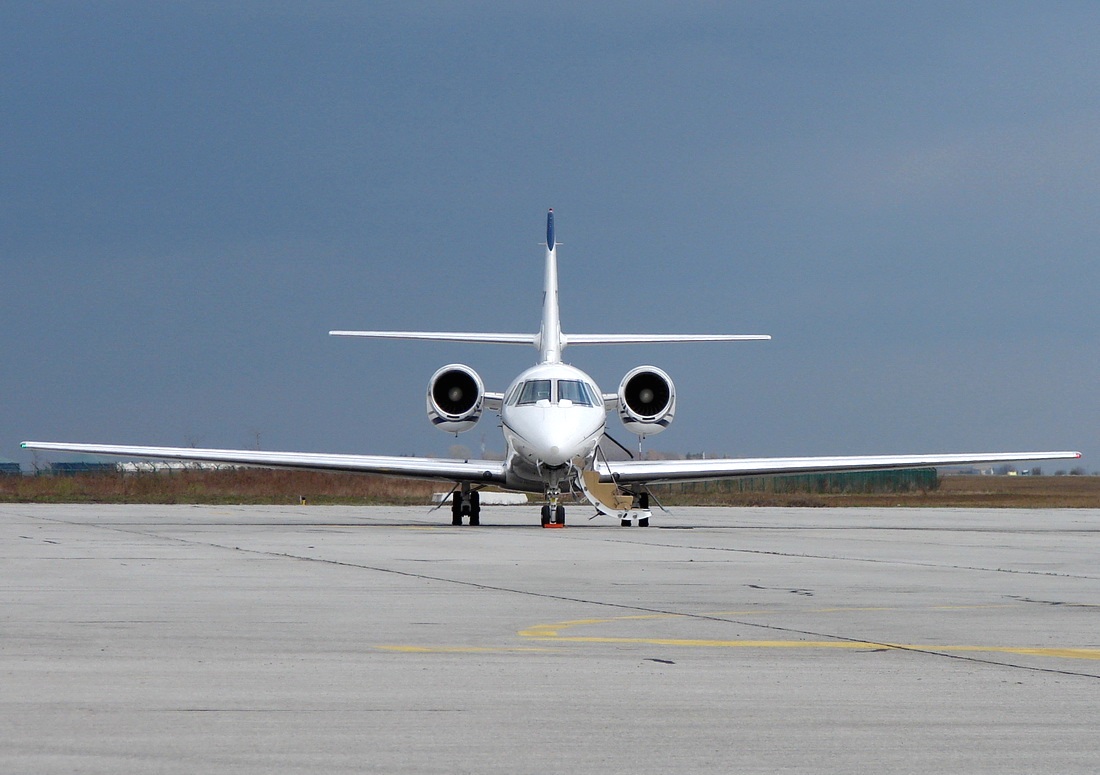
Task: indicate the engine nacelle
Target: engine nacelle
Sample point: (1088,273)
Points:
(455,397)
(647,400)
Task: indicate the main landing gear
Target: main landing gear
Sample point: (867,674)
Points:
(466,503)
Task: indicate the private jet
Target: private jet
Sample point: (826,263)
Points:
(554,420)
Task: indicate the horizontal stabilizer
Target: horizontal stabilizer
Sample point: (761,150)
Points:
(443,336)
(532,339)
(660,338)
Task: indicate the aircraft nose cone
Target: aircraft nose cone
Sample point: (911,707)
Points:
(554,456)
(560,446)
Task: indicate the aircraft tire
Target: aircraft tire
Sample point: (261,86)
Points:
(624,523)
(546,514)
(643,522)
(475,508)
(559,515)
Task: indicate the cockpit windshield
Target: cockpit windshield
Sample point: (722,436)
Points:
(573,392)
(576,392)
(534,390)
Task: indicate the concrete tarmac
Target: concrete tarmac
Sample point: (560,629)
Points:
(184,639)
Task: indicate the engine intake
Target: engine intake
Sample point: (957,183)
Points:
(647,400)
(455,397)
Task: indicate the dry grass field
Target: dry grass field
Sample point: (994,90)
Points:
(1026,492)
(258,486)
(245,485)
(1046,492)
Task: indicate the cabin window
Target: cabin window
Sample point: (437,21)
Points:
(534,390)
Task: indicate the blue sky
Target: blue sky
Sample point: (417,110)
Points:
(904,197)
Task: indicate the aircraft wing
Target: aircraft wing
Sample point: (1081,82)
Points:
(658,471)
(489,471)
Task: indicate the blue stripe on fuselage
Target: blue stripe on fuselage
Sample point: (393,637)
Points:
(550,229)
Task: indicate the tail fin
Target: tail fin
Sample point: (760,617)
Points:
(549,339)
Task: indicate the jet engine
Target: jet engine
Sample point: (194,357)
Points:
(455,397)
(647,400)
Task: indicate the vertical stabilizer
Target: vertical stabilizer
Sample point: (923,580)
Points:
(550,339)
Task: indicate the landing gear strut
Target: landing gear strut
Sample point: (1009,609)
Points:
(466,503)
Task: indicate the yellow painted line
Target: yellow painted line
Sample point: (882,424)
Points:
(1058,653)
(552,632)
(705,643)
(1062,653)
(462,649)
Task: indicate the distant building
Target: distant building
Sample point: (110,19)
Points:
(170,466)
(139,467)
(9,468)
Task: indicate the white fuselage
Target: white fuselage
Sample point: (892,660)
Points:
(553,416)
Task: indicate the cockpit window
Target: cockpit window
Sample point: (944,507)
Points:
(534,390)
(575,391)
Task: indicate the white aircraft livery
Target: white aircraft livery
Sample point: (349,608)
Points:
(554,419)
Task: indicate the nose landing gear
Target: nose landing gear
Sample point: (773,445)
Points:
(553,513)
